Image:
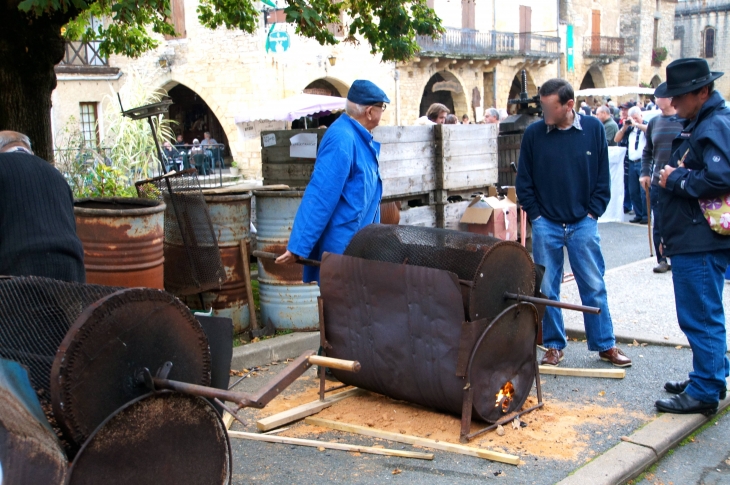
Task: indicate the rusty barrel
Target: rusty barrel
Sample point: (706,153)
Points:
(285,299)
(123,241)
(231,217)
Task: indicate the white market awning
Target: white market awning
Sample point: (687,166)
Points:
(615,91)
(293,108)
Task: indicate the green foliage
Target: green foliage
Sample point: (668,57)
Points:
(659,55)
(389,26)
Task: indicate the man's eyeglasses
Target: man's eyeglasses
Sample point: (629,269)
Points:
(381,106)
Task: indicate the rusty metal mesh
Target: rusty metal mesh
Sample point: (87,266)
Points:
(455,251)
(35,315)
(192,258)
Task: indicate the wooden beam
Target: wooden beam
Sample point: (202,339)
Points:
(415,440)
(568,371)
(228,419)
(330,445)
(299,412)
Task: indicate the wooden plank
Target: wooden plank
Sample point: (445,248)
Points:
(415,440)
(283,136)
(228,419)
(243,187)
(330,445)
(469,162)
(299,412)
(281,155)
(403,186)
(424,216)
(466,180)
(453,213)
(291,171)
(569,371)
(467,132)
(403,134)
(406,151)
(470,147)
(396,168)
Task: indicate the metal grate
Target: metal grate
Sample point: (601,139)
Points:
(455,251)
(192,258)
(35,314)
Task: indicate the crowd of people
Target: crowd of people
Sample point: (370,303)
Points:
(182,155)
(440,114)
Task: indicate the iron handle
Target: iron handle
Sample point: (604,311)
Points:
(553,303)
(304,261)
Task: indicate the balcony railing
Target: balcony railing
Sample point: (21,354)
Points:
(701,7)
(600,46)
(84,58)
(472,43)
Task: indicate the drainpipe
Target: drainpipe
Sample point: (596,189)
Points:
(396,76)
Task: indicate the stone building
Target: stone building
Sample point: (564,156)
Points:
(701,30)
(213,75)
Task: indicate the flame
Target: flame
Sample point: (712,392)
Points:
(504,396)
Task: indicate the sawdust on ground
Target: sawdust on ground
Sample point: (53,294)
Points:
(559,430)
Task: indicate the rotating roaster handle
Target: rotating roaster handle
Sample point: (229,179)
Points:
(553,303)
(304,261)
(264,395)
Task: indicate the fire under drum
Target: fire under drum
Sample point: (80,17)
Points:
(444,319)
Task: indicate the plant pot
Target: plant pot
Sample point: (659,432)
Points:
(234,171)
(123,241)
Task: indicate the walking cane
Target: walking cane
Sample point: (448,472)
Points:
(648,212)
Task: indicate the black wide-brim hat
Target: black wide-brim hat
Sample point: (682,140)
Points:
(684,76)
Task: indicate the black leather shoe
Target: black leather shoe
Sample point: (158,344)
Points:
(635,220)
(677,387)
(685,404)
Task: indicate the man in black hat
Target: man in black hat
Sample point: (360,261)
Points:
(699,168)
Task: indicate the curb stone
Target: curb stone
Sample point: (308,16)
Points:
(277,348)
(642,449)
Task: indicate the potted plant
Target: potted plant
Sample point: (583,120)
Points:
(659,55)
(234,169)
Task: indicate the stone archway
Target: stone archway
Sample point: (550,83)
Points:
(593,79)
(655,81)
(327,86)
(193,116)
(445,88)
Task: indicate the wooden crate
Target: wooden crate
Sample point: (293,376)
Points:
(466,156)
(407,164)
(276,164)
(508,151)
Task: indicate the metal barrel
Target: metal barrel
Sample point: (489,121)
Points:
(231,217)
(285,300)
(123,241)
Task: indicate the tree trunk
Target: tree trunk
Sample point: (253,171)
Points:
(29,49)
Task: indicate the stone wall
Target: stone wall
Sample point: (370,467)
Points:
(690,25)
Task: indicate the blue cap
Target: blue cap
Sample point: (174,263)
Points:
(366,93)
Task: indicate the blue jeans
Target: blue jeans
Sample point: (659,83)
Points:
(586,260)
(638,194)
(699,279)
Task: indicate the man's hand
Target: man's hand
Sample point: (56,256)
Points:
(287,258)
(664,175)
(592,216)
(645,182)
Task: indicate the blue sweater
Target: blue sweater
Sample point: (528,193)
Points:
(563,175)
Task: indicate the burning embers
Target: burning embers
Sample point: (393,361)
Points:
(504,396)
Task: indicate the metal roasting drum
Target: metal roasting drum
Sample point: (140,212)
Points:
(416,305)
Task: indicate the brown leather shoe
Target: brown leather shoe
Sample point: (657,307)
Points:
(552,357)
(616,357)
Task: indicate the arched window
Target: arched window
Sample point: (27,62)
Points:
(708,50)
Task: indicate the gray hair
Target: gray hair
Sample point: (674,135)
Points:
(354,110)
(612,104)
(603,109)
(7,137)
(634,110)
(493,112)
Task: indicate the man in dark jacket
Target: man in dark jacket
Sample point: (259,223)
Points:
(37,224)
(699,168)
(563,184)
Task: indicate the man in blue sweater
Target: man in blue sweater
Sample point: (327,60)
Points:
(563,184)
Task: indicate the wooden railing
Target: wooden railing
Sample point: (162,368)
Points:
(473,43)
(602,46)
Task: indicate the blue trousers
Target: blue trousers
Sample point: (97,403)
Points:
(699,279)
(638,194)
(586,260)
(627,193)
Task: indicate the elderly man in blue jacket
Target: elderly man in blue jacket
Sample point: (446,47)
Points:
(343,195)
(698,169)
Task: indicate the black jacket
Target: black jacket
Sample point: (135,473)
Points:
(706,174)
(37,223)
